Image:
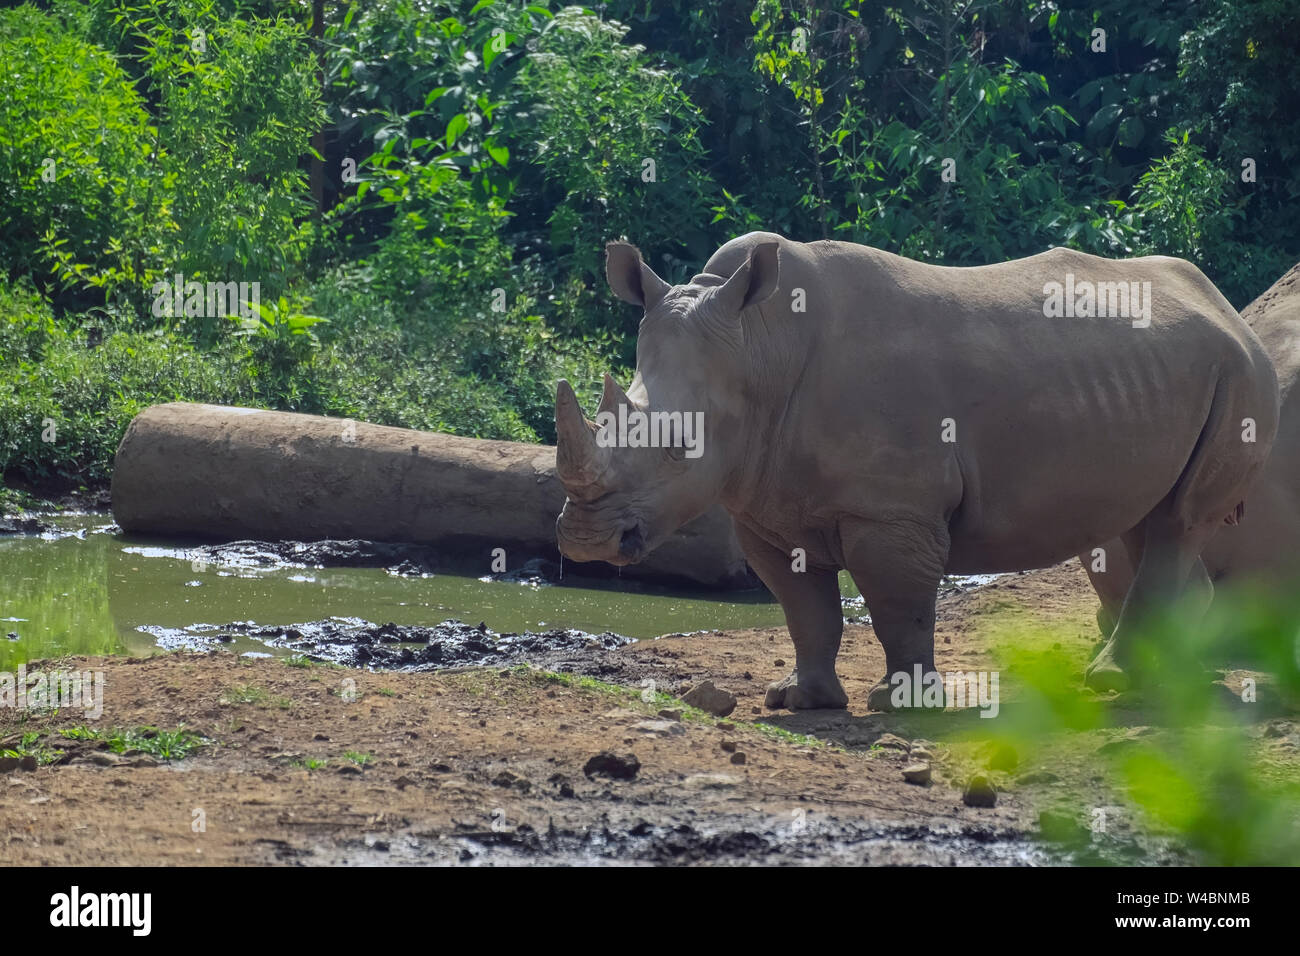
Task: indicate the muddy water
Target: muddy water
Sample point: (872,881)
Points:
(84,588)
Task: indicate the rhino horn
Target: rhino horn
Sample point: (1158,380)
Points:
(614,396)
(579,460)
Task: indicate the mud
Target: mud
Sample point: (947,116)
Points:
(456,744)
(403,559)
(352,642)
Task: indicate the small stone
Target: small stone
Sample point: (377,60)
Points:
(729,746)
(8,764)
(105,759)
(507,779)
(657,727)
(144,762)
(917,773)
(710,699)
(738,757)
(779,662)
(349,769)
(892,742)
(671,713)
(979,792)
(607,764)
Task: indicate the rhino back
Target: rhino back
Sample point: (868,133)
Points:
(1045,409)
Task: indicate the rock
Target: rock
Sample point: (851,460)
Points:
(729,746)
(28,762)
(349,769)
(892,742)
(659,727)
(918,773)
(920,753)
(12,635)
(104,759)
(9,764)
(562,783)
(144,762)
(738,757)
(507,779)
(607,764)
(979,792)
(671,713)
(710,699)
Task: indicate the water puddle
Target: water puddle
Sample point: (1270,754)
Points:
(74,584)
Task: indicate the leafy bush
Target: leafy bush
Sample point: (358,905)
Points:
(74,146)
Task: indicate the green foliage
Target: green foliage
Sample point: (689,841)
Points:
(497,147)
(1194,767)
(595,161)
(74,143)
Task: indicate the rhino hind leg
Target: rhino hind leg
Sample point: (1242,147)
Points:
(1110,569)
(811,602)
(1170,568)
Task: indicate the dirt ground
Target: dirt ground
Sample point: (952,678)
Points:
(326,765)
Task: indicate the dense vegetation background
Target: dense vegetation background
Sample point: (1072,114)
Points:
(423,190)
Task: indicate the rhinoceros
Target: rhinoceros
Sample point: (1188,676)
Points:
(1264,547)
(903,420)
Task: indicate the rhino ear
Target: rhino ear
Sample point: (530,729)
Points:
(755,281)
(630,278)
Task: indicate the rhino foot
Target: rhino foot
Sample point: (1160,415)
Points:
(879,698)
(807,693)
(1104,674)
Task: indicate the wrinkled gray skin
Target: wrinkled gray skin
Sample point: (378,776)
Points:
(1264,548)
(823,431)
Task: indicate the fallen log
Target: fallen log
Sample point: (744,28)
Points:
(224,473)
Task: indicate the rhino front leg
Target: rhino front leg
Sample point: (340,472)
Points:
(811,602)
(898,567)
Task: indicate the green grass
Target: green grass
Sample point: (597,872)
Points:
(164,744)
(244,694)
(44,755)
